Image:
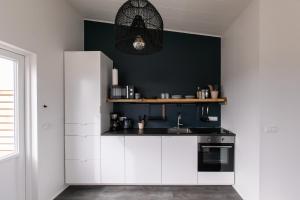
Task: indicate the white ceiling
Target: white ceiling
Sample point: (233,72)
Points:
(209,17)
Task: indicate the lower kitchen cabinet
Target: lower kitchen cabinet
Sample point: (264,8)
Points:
(82,159)
(179,160)
(112,160)
(143,159)
(82,147)
(82,171)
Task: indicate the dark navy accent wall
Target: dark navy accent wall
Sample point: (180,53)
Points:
(186,61)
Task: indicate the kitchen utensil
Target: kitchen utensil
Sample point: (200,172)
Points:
(127,123)
(198,93)
(204,117)
(162,117)
(189,96)
(177,96)
(203,93)
(206,94)
(137,95)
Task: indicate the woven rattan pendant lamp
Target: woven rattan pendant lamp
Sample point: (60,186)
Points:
(138,28)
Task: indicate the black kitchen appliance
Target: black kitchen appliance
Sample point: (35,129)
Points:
(126,123)
(216,153)
(115,123)
(130,92)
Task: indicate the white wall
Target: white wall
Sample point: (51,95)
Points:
(240,80)
(261,56)
(280,82)
(47,28)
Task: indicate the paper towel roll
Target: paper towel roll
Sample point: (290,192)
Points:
(115,80)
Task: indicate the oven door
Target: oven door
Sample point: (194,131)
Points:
(215,157)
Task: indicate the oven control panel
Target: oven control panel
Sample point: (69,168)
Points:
(216,139)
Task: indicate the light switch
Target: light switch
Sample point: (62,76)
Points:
(271,129)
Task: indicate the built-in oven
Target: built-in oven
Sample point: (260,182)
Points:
(216,153)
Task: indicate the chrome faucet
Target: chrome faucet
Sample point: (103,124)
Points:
(179,118)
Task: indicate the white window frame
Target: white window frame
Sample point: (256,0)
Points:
(19,87)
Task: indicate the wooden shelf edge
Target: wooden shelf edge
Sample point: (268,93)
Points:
(169,101)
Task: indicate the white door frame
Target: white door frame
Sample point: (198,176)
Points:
(31,137)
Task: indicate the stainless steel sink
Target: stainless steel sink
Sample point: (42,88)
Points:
(179,130)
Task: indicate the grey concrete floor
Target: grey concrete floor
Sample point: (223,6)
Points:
(149,193)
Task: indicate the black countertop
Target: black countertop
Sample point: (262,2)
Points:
(164,132)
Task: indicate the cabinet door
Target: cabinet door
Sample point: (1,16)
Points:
(82,171)
(82,87)
(179,160)
(82,129)
(106,81)
(112,159)
(82,147)
(143,159)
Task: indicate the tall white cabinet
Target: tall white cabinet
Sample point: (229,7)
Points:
(87,79)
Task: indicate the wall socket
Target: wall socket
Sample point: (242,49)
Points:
(271,129)
(213,118)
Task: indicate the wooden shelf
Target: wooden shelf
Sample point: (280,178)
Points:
(169,101)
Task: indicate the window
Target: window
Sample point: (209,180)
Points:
(9,105)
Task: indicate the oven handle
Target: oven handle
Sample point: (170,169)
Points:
(227,147)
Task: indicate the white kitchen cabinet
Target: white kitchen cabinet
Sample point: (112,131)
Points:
(179,160)
(143,159)
(113,159)
(87,81)
(82,171)
(82,129)
(82,147)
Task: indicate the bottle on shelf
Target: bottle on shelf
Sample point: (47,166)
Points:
(198,93)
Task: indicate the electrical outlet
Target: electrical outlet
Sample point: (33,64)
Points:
(213,118)
(271,129)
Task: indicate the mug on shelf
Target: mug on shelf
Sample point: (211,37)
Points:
(214,94)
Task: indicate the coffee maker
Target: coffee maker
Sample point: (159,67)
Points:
(115,123)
